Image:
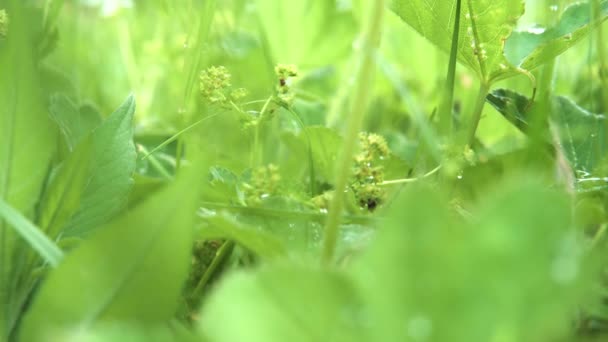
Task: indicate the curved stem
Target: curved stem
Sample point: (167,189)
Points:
(178,134)
(411,180)
(479,104)
(357,112)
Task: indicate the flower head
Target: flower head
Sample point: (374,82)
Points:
(215,84)
(284,73)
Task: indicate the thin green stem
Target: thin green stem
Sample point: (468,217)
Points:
(479,104)
(411,180)
(35,238)
(178,134)
(356,115)
(254,149)
(445,108)
(254,156)
(222,253)
(599,235)
(155,163)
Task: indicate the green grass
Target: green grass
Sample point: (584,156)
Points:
(264,170)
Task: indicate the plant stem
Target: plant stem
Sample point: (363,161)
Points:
(254,148)
(255,153)
(178,134)
(355,116)
(155,163)
(411,180)
(479,104)
(599,235)
(445,108)
(222,253)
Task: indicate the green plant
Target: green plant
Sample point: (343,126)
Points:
(303,170)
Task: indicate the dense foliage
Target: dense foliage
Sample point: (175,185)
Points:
(303,170)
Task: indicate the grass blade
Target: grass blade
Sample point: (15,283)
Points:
(29,232)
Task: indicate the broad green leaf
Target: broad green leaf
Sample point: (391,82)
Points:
(429,276)
(308,33)
(258,241)
(512,106)
(582,134)
(485,25)
(27,143)
(62,197)
(74,124)
(531,48)
(287,302)
(113,164)
(131,270)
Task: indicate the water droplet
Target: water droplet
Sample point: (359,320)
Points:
(459,176)
(554,8)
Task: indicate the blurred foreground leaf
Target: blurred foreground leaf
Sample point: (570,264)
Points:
(511,274)
(130,271)
(286,302)
(27,144)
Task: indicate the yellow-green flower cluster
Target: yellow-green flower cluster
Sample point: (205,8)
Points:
(265,182)
(457,158)
(4,21)
(215,86)
(284,73)
(323,200)
(367,173)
